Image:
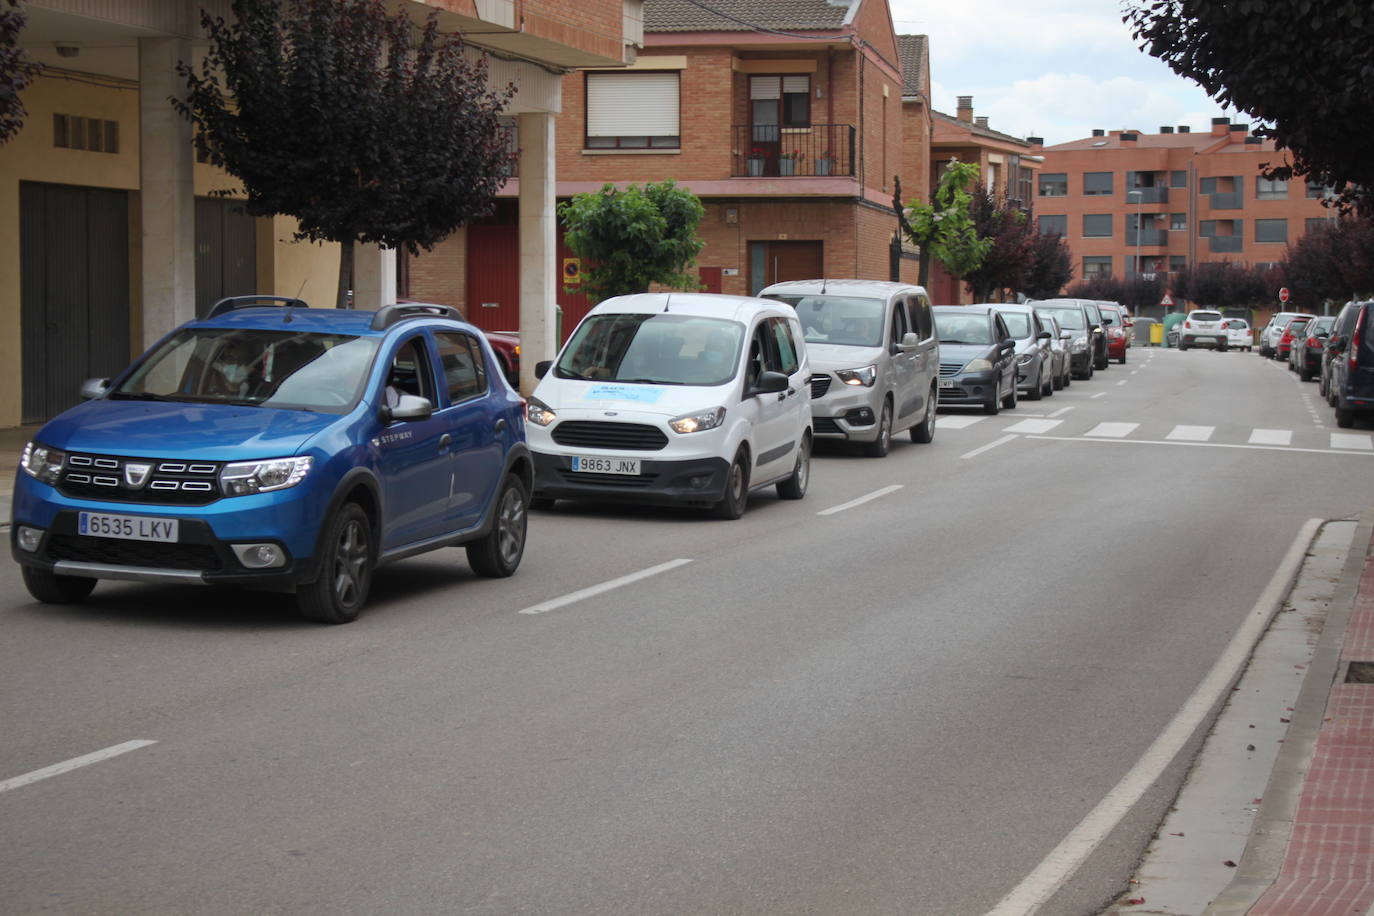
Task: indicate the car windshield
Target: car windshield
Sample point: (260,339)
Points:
(844,320)
(254,368)
(956,328)
(1069,319)
(653,349)
(1019,324)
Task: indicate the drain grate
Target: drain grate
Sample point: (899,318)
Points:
(1360,673)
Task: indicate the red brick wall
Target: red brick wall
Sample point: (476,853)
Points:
(440,275)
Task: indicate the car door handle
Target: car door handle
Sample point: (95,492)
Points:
(444,441)
(501,425)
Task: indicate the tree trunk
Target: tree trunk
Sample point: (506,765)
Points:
(924,275)
(343,299)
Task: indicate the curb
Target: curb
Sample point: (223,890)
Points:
(1268,842)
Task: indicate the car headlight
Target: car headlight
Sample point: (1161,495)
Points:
(1026,357)
(242,478)
(538,413)
(42,462)
(865,376)
(978,365)
(1080,344)
(698,422)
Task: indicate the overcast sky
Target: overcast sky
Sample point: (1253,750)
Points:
(1051,68)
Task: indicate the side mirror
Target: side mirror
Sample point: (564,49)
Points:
(1044,335)
(909,342)
(1008,345)
(1097,329)
(1066,336)
(94,388)
(410,407)
(542,367)
(770,382)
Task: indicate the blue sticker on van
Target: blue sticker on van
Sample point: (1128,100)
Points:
(637,393)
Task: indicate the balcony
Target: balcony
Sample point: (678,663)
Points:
(767,151)
(1225,200)
(1156,195)
(1224,243)
(1147,237)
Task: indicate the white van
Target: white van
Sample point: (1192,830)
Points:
(674,398)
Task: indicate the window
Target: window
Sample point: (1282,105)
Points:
(461,359)
(1178,220)
(73,132)
(899,325)
(1316,190)
(1177,262)
(1207,228)
(787,349)
(1059,224)
(1178,179)
(632,110)
(1271,230)
(409,373)
(1317,223)
(1270,188)
(1097,184)
(920,317)
(1097,265)
(1097,225)
(1054,184)
(780,101)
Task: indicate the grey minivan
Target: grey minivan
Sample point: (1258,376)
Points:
(874,355)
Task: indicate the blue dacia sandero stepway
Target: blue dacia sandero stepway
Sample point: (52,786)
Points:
(274,445)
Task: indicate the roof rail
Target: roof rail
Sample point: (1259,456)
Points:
(388,315)
(231,303)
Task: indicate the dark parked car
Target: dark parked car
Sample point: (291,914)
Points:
(1078,329)
(1351,366)
(1305,353)
(977,357)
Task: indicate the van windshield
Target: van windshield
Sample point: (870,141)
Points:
(845,320)
(653,349)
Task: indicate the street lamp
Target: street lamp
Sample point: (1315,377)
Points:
(1139,224)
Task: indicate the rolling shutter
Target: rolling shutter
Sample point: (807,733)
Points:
(632,104)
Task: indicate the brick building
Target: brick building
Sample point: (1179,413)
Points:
(1129,203)
(786,117)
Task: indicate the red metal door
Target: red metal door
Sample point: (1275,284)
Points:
(493,269)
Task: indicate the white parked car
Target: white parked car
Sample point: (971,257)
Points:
(1238,334)
(875,359)
(1269,337)
(675,398)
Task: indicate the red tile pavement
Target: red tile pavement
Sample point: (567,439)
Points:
(1328,867)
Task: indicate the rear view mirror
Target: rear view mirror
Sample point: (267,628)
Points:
(909,342)
(410,407)
(541,368)
(770,382)
(1044,335)
(94,388)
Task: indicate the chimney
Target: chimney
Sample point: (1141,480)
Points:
(1253,141)
(1127,137)
(1098,132)
(981,122)
(1240,128)
(1221,127)
(1036,141)
(1184,129)
(965,112)
(1166,129)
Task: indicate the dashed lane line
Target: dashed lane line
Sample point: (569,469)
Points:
(867,497)
(989,447)
(554,604)
(75,763)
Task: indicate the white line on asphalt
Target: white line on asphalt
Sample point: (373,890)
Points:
(1033,426)
(1351,440)
(861,500)
(1066,858)
(66,766)
(990,446)
(1061,411)
(554,604)
(956,422)
(1263,448)
(1191,433)
(1120,383)
(1112,430)
(1271,436)
(1098,395)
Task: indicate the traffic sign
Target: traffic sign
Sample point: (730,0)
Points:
(1283,294)
(1167,301)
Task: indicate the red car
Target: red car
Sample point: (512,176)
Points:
(1118,329)
(507,347)
(1291,332)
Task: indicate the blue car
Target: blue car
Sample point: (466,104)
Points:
(280,446)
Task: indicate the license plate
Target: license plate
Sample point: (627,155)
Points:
(946,383)
(606,465)
(127,527)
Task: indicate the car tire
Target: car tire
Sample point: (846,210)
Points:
(1057,382)
(542,503)
(879,446)
(992,407)
(51,588)
(1305,374)
(1009,402)
(736,496)
(924,432)
(1036,391)
(794,487)
(497,553)
(1047,390)
(340,590)
(1122,360)
(1345,419)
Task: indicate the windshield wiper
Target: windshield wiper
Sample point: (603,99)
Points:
(142,396)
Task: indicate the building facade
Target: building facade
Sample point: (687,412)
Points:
(1133,204)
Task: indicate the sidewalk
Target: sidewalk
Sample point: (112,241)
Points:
(1311,850)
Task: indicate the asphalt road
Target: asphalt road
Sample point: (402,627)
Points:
(898,707)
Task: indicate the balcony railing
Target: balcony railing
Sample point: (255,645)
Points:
(770,151)
(1147,237)
(1155,195)
(1225,243)
(1226,200)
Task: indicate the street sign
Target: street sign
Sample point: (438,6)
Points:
(1283,294)
(1167,301)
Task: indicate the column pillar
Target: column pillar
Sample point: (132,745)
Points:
(539,274)
(374,276)
(166,190)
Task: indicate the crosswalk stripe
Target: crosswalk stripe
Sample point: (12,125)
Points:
(1112,430)
(1033,426)
(1359,441)
(957,422)
(1191,433)
(1271,437)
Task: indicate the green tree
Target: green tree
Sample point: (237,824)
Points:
(1303,67)
(631,238)
(332,112)
(16,70)
(944,229)
(1051,266)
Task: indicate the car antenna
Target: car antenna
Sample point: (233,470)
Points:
(823,282)
(667,302)
(287,319)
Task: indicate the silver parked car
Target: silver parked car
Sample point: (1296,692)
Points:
(1059,348)
(875,359)
(1034,359)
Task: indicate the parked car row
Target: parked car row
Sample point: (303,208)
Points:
(1337,350)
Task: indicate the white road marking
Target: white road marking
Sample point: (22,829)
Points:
(861,500)
(1098,395)
(1352,440)
(592,591)
(1120,383)
(75,763)
(1271,448)
(1191,433)
(1066,858)
(1061,411)
(958,422)
(1112,430)
(989,447)
(1271,437)
(1033,426)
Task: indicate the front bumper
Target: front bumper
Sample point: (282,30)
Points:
(969,388)
(846,412)
(690,481)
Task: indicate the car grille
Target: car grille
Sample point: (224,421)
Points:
(624,481)
(600,434)
(107,477)
(820,384)
(949,370)
(825,426)
(132,553)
